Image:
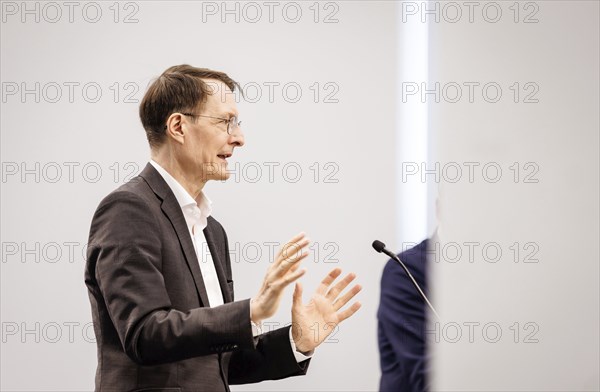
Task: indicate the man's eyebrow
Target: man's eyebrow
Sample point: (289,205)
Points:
(229,114)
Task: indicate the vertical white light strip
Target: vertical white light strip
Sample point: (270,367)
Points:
(411,132)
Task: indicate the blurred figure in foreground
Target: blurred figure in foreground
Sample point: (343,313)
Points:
(402,321)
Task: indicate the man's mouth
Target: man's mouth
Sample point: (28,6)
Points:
(224,156)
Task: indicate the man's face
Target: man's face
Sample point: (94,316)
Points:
(206,143)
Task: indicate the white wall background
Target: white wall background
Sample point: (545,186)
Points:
(364,55)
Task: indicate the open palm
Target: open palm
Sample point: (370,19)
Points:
(313,322)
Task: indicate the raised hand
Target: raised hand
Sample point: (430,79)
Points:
(279,275)
(322,309)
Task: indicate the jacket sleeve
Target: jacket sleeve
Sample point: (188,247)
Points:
(125,252)
(272,359)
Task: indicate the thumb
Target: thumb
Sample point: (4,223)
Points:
(297,297)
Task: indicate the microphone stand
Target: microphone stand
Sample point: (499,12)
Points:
(380,247)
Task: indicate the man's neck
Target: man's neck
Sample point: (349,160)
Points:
(174,168)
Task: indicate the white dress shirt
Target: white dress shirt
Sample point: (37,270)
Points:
(196,213)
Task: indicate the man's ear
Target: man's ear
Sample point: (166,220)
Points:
(175,128)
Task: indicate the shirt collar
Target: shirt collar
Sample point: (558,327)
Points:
(183,197)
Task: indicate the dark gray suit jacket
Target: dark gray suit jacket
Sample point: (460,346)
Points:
(152,328)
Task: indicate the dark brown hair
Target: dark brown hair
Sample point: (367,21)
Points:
(180,88)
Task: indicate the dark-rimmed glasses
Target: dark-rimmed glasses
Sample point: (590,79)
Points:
(232,122)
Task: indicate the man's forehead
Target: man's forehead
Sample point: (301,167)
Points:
(221,99)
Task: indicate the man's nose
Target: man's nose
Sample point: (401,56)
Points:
(237,137)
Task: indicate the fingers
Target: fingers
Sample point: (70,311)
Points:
(289,255)
(289,265)
(348,312)
(328,280)
(281,283)
(337,289)
(293,245)
(340,286)
(293,249)
(343,300)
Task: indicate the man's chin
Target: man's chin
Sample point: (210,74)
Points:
(216,172)
(223,176)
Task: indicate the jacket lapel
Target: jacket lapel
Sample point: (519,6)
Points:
(172,210)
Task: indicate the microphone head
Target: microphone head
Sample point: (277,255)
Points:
(378,246)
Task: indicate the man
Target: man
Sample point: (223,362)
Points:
(164,311)
(402,322)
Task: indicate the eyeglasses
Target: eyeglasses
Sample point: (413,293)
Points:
(232,122)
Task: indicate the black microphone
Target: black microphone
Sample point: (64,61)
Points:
(380,247)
